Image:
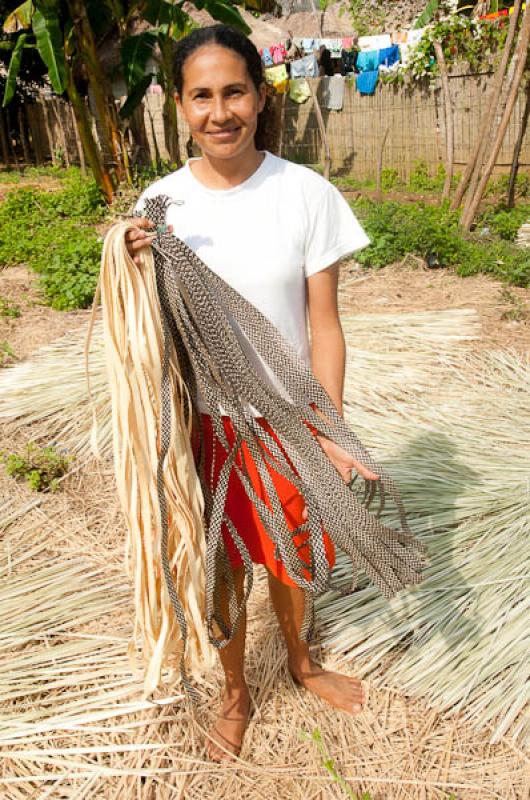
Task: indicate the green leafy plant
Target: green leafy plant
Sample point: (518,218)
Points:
(40,467)
(433,233)
(54,234)
(7,355)
(316,737)
(8,309)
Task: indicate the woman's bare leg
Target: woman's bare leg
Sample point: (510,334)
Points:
(338,690)
(233,717)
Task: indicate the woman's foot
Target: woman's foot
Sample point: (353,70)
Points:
(340,691)
(228,732)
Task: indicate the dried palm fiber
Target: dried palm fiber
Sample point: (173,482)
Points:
(166,561)
(461,640)
(388,353)
(209,333)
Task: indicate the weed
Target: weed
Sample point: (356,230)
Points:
(8,309)
(53,233)
(433,233)
(329,764)
(40,467)
(518,310)
(7,356)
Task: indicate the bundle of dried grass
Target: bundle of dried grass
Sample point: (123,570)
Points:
(460,454)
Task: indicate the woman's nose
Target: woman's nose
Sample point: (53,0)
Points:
(219,110)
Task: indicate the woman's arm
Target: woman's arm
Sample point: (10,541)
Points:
(328,349)
(328,359)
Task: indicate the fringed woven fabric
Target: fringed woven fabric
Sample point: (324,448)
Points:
(208,329)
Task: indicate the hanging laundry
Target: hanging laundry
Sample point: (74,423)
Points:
(347,43)
(299,90)
(374,42)
(266,57)
(399,37)
(368,61)
(277,76)
(333,92)
(349,61)
(334,46)
(389,56)
(310,45)
(279,53)
(306,67)
(367,81)
(415,35)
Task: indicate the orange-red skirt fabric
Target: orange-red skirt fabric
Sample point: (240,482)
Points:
(242,511)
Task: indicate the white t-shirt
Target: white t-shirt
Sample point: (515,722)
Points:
(264,237)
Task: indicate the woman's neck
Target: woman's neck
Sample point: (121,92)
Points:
(225,173)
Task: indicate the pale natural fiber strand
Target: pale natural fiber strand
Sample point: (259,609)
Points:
(133,344)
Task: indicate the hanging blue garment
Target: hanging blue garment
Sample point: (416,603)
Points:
(368,61)
(367,81)
(389,56)
(266,57)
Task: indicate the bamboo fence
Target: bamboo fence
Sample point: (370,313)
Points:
(44,131)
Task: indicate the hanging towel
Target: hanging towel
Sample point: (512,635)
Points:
(374,42)
(277,76)
(299,90)
(309,45)
(278,53)
(347,43)
(368,61)
(349,61)
(333,92)
(266,57)
(399,37)
(367,81)
(389,56)
(306,67)
(414,36)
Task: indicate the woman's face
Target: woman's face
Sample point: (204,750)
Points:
(219,101)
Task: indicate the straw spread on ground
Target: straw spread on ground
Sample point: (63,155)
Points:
(72,746)
(172,326)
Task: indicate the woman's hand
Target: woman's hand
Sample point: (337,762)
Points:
(141,237)
(343,463)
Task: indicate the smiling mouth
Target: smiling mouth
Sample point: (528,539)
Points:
(223,133)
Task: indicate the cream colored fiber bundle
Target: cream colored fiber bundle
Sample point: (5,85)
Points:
(134,346)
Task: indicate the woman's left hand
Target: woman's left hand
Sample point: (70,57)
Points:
(343,462)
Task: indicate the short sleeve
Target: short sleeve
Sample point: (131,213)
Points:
(334,232)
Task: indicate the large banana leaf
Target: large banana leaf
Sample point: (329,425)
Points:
(47,30)
(134,98)
(225,11)
(135,53)
(14,67)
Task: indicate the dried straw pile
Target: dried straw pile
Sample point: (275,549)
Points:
(72,721)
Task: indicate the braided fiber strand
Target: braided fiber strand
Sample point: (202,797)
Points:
(158,487)
(211,331)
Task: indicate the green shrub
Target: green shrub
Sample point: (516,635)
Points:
(433,231)
(505,222)
(53,233)
(8,309)
(40,467)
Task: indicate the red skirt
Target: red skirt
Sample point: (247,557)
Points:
(242,511)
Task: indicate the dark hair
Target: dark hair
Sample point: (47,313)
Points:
(232,39)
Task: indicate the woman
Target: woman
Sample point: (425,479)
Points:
(274,231)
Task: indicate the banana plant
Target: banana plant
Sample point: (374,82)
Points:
(169,23)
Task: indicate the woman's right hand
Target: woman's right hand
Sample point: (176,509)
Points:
(141,236)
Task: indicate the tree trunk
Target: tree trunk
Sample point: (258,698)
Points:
(3,140)
(519,58)
(78,142)
(101,174)
(23,138)
(510,199)
(449,126)
(101,90)
(477,157)
(323,134)
(171,131)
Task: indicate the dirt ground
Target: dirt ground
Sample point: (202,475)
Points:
(400,749)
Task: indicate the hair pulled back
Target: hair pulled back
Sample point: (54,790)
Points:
(231,39)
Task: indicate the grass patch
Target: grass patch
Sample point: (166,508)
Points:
(433,233)
(8,309)
(39,467)
(53,233)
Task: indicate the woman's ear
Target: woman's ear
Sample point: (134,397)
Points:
(262,96)
(178,101)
